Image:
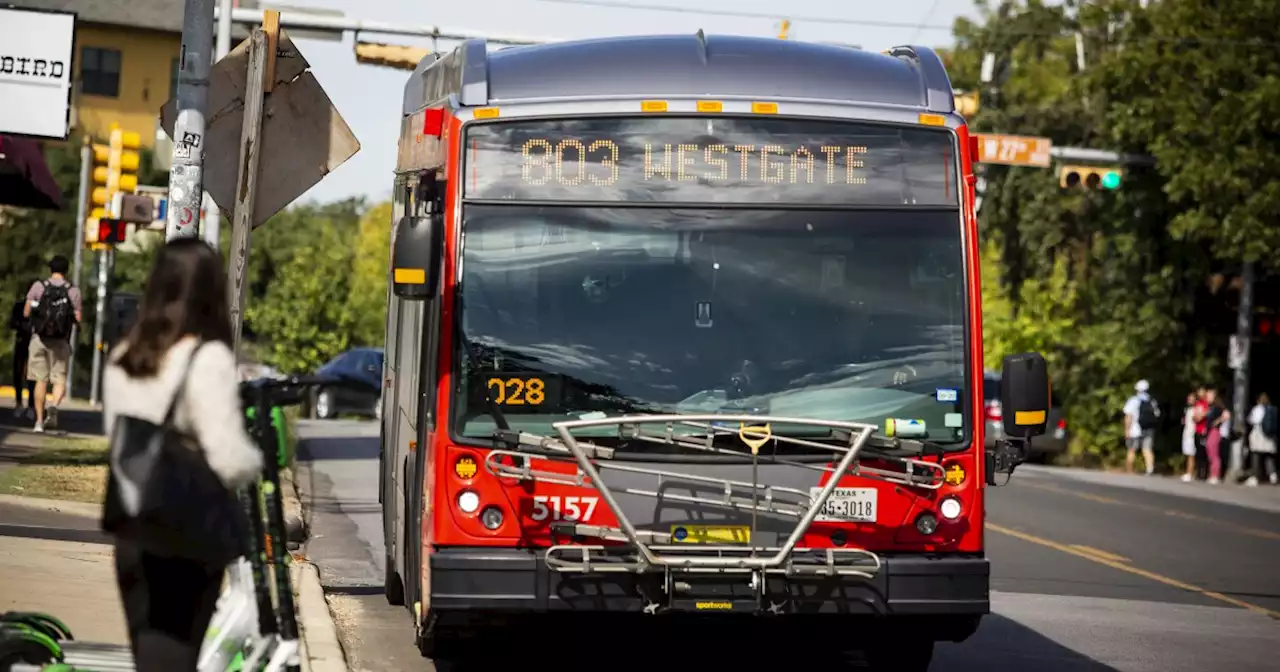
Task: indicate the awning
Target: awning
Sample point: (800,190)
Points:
(25,180)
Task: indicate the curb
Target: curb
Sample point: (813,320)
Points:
(82,509)
(320,649)
(295,524)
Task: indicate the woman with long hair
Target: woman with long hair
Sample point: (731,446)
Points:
(179,349)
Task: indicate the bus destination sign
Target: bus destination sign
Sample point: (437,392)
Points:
(720,160)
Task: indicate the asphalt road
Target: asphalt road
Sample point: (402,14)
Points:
(1089,572)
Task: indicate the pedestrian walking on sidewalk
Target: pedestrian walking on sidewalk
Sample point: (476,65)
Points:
(53,306)
(1141,417)
(1213,435)
(1265,420)
(176,367)
(20,325)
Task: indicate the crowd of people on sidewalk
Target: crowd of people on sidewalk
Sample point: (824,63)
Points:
(1208,429)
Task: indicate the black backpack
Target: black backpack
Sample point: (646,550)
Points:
(1270,422)
(54,316)
(1148,414)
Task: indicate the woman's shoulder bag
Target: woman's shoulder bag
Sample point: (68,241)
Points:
(163,496)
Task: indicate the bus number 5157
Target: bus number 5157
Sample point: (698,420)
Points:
(571,509)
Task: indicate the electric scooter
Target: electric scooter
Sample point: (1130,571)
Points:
(254,628)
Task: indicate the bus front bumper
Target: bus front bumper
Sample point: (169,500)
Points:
(519,581)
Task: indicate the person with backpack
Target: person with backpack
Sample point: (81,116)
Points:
(1141,417)
(53,306)
(1263,438)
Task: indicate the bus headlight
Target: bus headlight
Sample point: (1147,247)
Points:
(491,517)
(950,508)
(468,501)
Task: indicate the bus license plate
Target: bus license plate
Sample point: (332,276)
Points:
(847,505)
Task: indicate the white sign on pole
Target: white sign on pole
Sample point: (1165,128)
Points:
(36,48)
(1236,353)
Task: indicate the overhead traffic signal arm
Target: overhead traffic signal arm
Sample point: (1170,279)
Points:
(1090,177)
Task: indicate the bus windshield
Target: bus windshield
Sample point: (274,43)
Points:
(602,287)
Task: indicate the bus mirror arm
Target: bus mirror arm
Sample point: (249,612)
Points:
(1003,458)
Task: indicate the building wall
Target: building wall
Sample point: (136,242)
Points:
(146,68)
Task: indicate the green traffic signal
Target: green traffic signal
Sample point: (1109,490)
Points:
(1111,179)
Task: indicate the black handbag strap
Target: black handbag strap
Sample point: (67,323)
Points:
(179,393)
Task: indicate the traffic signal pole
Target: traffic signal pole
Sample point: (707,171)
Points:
(1240,389)
(186,177)
(82,209)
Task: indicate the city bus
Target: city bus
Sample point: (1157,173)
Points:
(690,325)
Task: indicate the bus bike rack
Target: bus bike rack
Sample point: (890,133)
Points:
(649,551)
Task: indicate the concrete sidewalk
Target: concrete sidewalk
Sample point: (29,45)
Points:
(54,559)
(1264,497)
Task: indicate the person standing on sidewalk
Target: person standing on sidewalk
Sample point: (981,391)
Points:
(1262,440)
(178,349)
(53,305)
(1189,436)
(21,327)
(1216,419)
(1141,417)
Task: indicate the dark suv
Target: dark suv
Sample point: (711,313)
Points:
(1044,447)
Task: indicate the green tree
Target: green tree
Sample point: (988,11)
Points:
(369,274)
(1198,86)
(304,319)
(1092,279)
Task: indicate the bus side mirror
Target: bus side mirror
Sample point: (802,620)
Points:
(1024,395)
(415,257)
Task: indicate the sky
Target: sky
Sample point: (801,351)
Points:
(369,97)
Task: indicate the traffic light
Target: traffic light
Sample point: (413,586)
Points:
(391,55)
(1265,327)
(966,102)
(112,231)
(115,171)
(1090,177)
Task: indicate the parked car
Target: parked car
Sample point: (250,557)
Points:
(1044,447)
(358,390)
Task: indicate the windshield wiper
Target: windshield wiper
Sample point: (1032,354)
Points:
(884,446)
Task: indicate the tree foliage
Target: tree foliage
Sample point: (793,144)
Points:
(368,296)
(1111,285)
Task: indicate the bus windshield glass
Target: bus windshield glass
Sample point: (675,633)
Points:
(855,311)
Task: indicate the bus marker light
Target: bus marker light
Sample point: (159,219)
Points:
(950,508)
(486,113)
(411,276)
(468,501)
(926,524)
(710,106)
(653,106)
(764,108)
(433,122)
(465,467)
(955,475)
(933,120)
(491,517)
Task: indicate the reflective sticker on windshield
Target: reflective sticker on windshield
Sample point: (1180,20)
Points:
(593,415)
(702,316)
(953,420)
(948,395)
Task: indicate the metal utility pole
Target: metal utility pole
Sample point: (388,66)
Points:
(186,177)
(213,217)
(82,209)
(106,258)
(1239,352)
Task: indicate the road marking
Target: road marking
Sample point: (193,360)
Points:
(1107,555)
(1181,585)
(1251,531)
